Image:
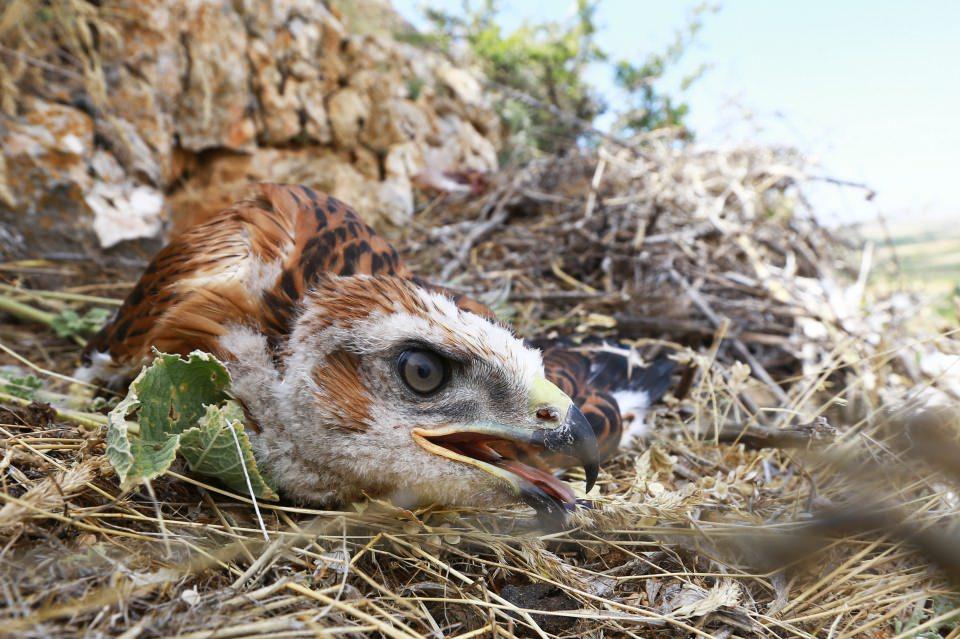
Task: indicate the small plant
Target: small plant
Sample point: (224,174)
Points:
(182,406)
(66,33)
(69,323)
(539,72)
(933,608)
(22,386)
(647,107)
(415,88)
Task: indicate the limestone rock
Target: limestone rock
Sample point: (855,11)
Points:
(290,87)
(316,125)
(348,112)
(278,117)
(144,71)
(404,161)
(204,97)
(65,195)
(45,176)
(464,86)
(48,144)
(124,211)
(397,120)
(226,177)
(215,108)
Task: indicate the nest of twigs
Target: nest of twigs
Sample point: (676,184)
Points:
(787,488)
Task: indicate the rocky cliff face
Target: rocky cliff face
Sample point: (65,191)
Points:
(201,97)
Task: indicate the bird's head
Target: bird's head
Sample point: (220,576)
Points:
(390,389)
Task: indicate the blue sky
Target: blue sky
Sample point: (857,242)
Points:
(870,90)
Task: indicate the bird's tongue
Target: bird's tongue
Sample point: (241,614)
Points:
(542,479)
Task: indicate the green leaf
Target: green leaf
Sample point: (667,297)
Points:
(174,392)
(22,386)
(211,449)
(68,323)
(119,449)
(134,458)
(183,406)
(152,459)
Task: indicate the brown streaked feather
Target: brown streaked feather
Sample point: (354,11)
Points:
(463,302)
(349,299)
(567,369)
(602,411)
(169,306)
(339,376)
(200,283)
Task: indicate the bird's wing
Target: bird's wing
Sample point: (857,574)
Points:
(613,392)
(249,264)
(570,370)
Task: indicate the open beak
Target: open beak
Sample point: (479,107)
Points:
(513,452)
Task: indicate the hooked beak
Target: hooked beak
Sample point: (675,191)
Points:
(574,438)
(513,452)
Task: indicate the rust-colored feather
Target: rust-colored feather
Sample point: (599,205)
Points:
(338,376)
(249,264)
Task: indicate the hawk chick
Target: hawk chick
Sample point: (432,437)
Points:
(358,378)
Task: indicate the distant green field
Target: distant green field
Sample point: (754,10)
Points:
(927,258)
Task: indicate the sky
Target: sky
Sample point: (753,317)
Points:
(870,90)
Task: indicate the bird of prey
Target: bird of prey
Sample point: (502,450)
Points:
(357,377)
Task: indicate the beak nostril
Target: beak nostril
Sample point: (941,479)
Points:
(548,414)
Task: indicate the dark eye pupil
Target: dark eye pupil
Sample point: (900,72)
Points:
(423,371)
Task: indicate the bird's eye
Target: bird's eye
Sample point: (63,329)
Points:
(423,371)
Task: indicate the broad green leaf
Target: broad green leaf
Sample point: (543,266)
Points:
(182,406)
(119,449)
(174,392)
(210,449)
(136,459)
(151,459)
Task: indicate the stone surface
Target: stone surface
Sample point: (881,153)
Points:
(50,143)
(216,105)
(64,194)
(226,178)
(204,97)
(124,211)
(349,111)
(45,177)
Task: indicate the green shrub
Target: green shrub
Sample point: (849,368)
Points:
(539,74)
(648,108)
